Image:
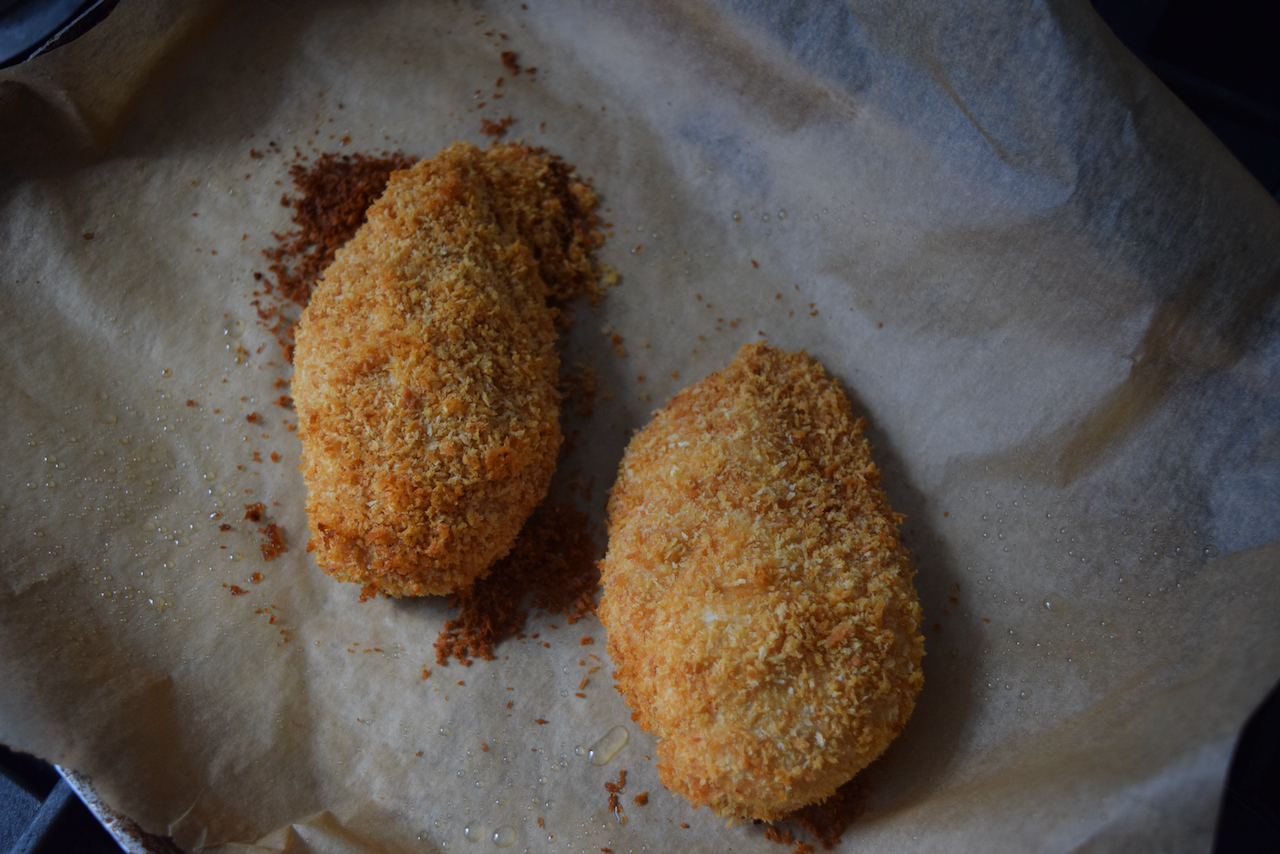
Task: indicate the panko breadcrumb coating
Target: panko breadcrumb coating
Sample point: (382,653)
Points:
(759,605)
(425,381)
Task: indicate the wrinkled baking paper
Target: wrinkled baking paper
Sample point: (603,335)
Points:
(1049,289)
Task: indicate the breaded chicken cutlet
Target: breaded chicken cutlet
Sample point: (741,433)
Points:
(759,605)
(425,368)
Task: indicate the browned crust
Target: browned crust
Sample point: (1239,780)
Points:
(425,381)
(759,604)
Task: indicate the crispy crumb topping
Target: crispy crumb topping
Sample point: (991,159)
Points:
(425,381)
(759,604)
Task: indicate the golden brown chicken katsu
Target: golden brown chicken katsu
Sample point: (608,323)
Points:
(426,368)
(759,604)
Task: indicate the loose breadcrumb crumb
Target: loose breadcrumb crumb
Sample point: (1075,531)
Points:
(272,541)
(333,194)
(552,566)
(614,790)
(824,822)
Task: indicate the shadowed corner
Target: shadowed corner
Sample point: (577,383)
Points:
(1249,818)
(31,28)
(63,102)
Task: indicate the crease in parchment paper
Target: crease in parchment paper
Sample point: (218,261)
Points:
(73,108)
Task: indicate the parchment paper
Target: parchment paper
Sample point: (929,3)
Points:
(1049,289)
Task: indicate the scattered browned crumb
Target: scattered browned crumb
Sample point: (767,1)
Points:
(256,578)
(773,833)
(754,569)
(824,822)
(333,194)
(615,789)
(827,820)
(237,590)
(497,129)
(552,566)
(272,541)
(509,61)
(641,799)
(425,368)
(578,390)
(253,512)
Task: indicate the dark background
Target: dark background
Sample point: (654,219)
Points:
(1222,58)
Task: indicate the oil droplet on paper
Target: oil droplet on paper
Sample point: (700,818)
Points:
(608,746)
(505,836)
